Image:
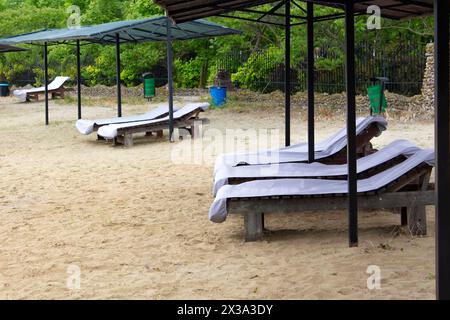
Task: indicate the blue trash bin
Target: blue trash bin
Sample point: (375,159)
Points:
(4,89)
(218,95)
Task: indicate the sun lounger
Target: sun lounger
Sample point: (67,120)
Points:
(390,155)
(185,118)
(55,88)
(406,185)
(331,150)
(86,127)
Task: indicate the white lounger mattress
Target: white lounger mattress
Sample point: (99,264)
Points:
(302,187)
(86,127)
(299,152)
(305,170)
(110,131)
(54,85)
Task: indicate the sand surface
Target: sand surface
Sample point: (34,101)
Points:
(134,221)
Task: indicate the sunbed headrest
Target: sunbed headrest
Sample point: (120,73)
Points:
(191,107)
(162,109)
(196,105)
(58,82)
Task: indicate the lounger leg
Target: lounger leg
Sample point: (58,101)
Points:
(417,215)
(417,221)
(263,221)
(100,138)
(128,140)
(404,216)
(149,134)
(159,134)
(176,135)
(197,129)
(253,226)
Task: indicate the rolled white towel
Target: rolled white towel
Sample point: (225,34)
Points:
(20,94)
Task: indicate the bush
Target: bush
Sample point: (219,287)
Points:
(254,74)
(187,74)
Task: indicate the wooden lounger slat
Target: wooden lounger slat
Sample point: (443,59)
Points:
(391,196)
(362,175)
(296,205)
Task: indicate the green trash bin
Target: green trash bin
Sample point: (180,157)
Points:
(149,86)
(376,94)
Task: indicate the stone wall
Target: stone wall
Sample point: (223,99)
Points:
(428,81)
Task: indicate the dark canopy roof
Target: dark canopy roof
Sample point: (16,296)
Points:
(187,10)
(4,48)
(133,31)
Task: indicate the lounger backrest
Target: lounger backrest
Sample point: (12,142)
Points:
(190,108)
(58,83)
(391,151)
(342,133)
(160,111)
(322,145)
(388,176)
(361,125)
(340,137)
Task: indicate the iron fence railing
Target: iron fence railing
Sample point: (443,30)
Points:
(403,64)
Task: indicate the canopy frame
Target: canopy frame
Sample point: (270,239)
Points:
(118,33)
(182,11)
(7,49)
(442,126)
(403,9)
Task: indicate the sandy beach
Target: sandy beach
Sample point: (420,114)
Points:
(135,221)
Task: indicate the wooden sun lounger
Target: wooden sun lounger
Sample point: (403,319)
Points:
(118,139)
(56,89)
(190,122)
(98,126)
(57,93)
(411,192)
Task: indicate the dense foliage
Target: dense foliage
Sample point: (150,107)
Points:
(195,63)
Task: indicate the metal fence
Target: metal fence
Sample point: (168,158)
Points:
(404,65)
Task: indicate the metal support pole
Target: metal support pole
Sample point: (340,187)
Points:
(170,76)
(118,71)
(287,81)
(351,123)
(442,105)
(79,78)
(46,82)
(311,129)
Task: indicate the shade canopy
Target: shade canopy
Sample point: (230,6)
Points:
(187,10)
(133,31)
(4,48)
